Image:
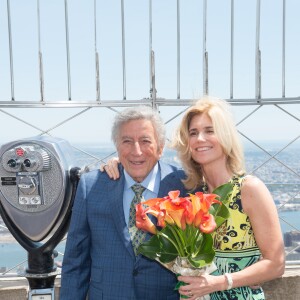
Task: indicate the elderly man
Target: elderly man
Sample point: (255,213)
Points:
(100,257)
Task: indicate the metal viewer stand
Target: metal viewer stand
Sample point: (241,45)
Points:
(37,190)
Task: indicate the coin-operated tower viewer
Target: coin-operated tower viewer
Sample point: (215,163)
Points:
(37,189)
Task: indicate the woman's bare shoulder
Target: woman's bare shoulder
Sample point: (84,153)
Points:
(251,181)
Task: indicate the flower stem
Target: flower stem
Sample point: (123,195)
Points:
(179,249)
(179,240)
(195,240)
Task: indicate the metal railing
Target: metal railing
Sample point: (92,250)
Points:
(254,104)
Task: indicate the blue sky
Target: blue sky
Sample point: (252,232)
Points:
(95,123)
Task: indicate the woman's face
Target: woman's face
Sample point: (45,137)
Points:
(203,142)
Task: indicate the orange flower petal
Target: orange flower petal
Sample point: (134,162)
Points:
(153,202)
(195,203)
(174,194)
(208,225)
(142,220)
(177,216)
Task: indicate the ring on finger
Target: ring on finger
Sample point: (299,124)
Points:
(191,294)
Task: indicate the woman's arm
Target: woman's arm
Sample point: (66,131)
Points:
(259,206)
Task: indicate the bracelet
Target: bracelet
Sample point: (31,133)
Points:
(229,280)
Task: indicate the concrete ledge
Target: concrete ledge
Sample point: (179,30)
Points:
(15,293)
(19,293)
(287,288)
(16,288)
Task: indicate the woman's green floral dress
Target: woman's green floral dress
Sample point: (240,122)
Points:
(236,248)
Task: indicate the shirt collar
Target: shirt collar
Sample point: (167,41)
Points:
(148,182)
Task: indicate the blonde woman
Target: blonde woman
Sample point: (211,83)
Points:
(249,246)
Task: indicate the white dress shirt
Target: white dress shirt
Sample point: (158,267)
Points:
(150,183)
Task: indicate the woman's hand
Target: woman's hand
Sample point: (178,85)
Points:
(199,286)
(111,168)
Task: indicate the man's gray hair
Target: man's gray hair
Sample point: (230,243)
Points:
(139,113)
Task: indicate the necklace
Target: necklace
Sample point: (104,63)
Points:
(205,188)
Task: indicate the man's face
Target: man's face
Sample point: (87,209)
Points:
(138,148)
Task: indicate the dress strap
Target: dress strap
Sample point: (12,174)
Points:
(245,177)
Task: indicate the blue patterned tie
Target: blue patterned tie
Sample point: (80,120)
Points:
(137,236)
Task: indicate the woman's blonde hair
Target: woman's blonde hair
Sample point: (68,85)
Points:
(219,112)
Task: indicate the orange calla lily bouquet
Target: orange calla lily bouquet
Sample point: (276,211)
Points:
(184,226)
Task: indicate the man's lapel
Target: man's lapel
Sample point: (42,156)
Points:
(167,180)
(116,191)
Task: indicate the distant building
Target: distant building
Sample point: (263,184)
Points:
(2,269)
(291,237)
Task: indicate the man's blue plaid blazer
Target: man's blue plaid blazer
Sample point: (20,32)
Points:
(99,261)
